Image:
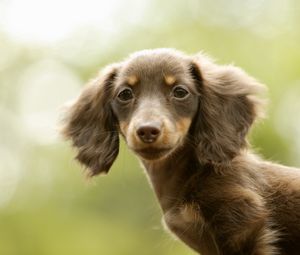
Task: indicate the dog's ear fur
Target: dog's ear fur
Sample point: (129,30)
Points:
(91,126)
(227,108)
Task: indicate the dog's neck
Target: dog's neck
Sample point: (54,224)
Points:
(169,174)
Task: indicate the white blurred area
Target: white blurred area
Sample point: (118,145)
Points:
(10,175)
(45,21)
(11,146)
(50,21)
(44,87)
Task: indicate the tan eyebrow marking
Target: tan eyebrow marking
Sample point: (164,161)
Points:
(132,80)
(170,80)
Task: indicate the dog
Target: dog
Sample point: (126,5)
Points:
(187,118)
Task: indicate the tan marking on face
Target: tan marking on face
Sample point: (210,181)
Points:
(165,138)
(170,80)
(124,127)
(183,125)
(131,136)
(168,136)
(132,80)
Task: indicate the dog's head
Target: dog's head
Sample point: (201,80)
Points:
(160,100)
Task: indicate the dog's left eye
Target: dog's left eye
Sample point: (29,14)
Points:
(125,95)
(180,92)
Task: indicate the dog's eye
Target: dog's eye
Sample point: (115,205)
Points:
(180,92)
(125,95)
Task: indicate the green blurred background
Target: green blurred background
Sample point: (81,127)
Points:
(50,48)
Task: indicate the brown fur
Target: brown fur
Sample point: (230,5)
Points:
(216,196)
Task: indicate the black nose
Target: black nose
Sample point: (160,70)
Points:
(148,133)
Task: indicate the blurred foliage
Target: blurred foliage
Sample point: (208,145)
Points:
(47,206)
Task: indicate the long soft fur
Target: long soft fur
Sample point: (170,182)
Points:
(91,126)
(215,195)
(227,96)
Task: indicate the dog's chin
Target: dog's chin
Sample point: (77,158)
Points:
(152,153)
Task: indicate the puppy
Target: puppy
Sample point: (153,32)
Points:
(187,118)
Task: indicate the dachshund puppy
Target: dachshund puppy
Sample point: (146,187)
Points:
(187,118)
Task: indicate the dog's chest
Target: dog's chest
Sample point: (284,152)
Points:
(187,223)
(184,218)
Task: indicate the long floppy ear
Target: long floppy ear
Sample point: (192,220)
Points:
(91,126)
(227,109)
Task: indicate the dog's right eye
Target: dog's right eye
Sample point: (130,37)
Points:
(180,92)
(125,95)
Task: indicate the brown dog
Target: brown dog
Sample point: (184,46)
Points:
(187,118)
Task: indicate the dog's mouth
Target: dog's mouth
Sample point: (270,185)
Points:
(153,153)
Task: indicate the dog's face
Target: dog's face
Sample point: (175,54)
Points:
(157,98)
